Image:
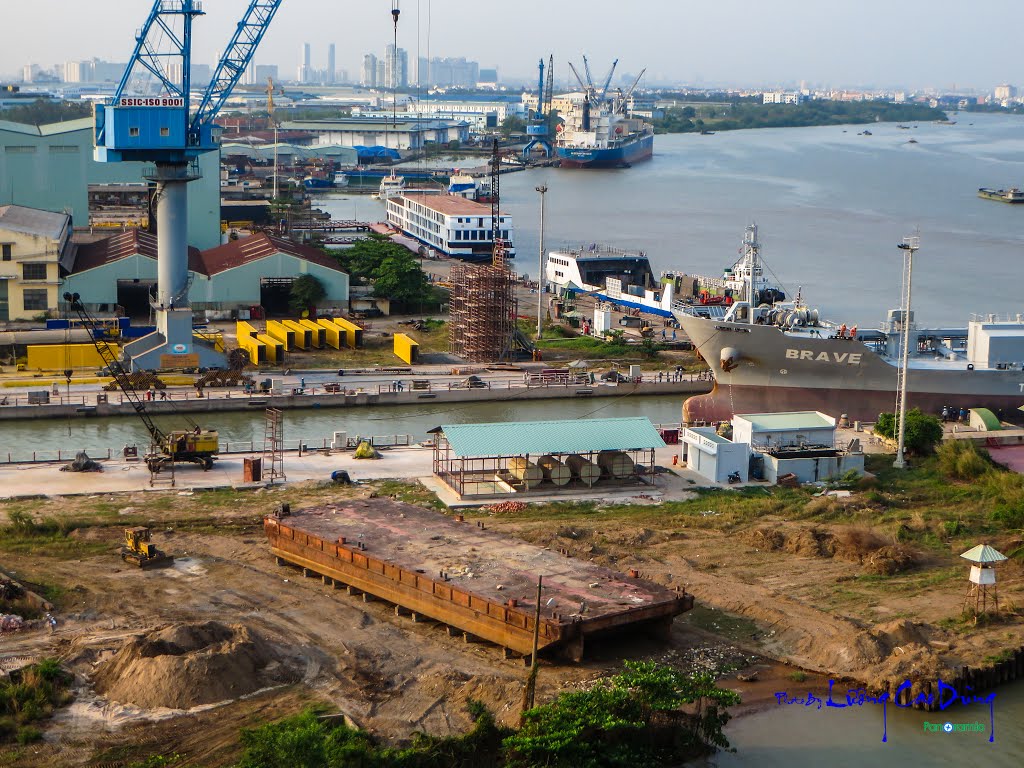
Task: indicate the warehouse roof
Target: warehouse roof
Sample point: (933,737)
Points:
(32,221)
(209,262)
(787,421)
(247,249)
(543,437)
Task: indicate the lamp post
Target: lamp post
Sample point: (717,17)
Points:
(540,265)
(909,246)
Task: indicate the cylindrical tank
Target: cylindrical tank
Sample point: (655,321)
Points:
(616,464)
(554,470)
(583,469)
(528,473)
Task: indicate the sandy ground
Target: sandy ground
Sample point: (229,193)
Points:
(791,602)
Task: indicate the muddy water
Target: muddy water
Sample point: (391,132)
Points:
(796,736)
(96,435)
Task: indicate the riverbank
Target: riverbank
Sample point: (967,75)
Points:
(371,394)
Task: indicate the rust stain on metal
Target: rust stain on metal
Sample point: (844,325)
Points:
(478,581)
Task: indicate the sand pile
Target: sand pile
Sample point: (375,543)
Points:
(186,665)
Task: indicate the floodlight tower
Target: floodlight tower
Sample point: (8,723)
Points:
(149,120)
(909,246)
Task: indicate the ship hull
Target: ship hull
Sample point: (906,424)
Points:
(774,371)
(616,157)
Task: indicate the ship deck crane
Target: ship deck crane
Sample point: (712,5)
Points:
(158,128)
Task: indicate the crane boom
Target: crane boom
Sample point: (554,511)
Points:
(236,58)
(548,92)
(608,81)
(629,93)
(116,369)
(586,68)
(578,78)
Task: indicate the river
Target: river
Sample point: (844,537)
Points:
(831,206)
(794,736)
(97,435)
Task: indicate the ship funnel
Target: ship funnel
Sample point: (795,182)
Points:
(730,358)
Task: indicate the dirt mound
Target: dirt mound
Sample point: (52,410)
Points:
(858,545)
(186,665)
(901,632)
(889,560)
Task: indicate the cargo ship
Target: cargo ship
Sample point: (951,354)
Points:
(1012,195)
(783,357)
(599,132)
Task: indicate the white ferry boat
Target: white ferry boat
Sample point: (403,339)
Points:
(620,277)
(450,224)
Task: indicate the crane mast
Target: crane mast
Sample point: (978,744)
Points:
(156,127)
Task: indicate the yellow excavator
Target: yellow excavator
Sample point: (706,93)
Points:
(197,446)
(138,550)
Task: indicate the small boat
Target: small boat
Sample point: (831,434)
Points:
(1011,195)
(391,186)
(912,141)
(340,180)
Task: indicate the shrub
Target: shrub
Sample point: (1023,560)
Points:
(29,735)
(962,460)
(921,433)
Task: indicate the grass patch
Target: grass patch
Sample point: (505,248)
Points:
(798,676)
(31,695)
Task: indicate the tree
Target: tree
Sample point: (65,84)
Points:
(364,258)
(400,279)
(307,291)
(513,124)
(921,434)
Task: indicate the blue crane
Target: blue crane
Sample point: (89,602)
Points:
(538,128)
(149,120)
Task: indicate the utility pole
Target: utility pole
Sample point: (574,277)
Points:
(909,246)
(543,188)
(530,691)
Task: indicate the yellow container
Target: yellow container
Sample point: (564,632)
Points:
(407,348)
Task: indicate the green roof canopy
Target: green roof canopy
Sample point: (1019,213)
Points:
(542,437)
(988,419)
(983,553)
(787,421)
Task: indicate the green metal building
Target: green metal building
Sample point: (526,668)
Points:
(50,167)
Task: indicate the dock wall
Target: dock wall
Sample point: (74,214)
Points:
(86,406)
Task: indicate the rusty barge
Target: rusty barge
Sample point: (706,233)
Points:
(476,581)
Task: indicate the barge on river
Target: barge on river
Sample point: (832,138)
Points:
(473,580)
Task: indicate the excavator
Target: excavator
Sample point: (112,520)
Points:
(138,550)
(196,445)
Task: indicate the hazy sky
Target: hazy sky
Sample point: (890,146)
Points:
(917,43)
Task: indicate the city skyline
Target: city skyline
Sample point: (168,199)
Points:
(916,44)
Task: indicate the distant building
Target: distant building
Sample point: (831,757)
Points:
(368,73)
(32,244)
(304,68)
(452,73)
(1005,92)
(482,115)
(782,97)
(331,74)
(77,71)
(488,78)
(265,71)
(396,68)
(406,133)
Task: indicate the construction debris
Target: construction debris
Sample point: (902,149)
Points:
(82,463)
(9,622)
(505,507)
(140,381)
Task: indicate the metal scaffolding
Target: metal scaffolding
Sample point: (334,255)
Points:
(483,312)
(273,446)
